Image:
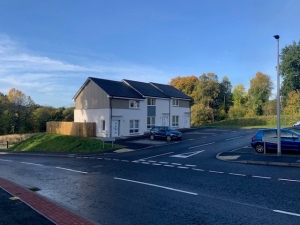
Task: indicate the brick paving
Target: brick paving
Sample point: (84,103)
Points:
(48,209)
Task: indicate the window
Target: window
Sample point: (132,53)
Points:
(85,104)
(133,126)
(150,122)
(103,125)
(175,102)
(175,121)
(134,104)
(151,101)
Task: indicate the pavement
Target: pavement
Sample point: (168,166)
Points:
(20,206)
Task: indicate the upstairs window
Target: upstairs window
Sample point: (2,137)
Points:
(151,101)
(175,102)
(134,104)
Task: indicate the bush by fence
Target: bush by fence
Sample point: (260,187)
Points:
(72,128)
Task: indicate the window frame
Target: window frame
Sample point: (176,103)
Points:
(150,123)
(174,122)
(151,101)
(134,126)
(136,104)
(175,102)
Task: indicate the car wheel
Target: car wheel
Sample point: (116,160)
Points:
(152,137)
(169,138)
(259,148)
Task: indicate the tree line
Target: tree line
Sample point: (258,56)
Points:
(216,101)
(19,114)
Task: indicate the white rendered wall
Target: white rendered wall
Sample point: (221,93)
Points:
(182,113)
(94,115)
(162,110)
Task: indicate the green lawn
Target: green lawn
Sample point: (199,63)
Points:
(62,143)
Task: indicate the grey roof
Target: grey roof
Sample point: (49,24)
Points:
(146,89)
(113,88)
(171,91)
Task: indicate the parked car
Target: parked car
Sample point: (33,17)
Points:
(290,140)
(164,132)
(297,124)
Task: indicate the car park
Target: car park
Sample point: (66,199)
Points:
(290,140)
(165,132)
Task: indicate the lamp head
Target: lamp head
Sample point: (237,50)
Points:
(276,37)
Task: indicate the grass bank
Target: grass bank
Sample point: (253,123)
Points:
(62,143)
(257,122)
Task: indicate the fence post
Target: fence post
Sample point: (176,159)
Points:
(6,144)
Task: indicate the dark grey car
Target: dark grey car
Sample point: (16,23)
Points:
(164,132)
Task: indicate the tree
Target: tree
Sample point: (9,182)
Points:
(290,68)
(187,85)
(292,103)
(259,92)
(239,95)
(207,93)
(225,95)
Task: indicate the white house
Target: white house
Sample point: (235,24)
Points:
(130,107)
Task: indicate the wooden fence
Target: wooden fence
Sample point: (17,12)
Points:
(72,128)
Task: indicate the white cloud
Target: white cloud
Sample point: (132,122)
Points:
(54,82)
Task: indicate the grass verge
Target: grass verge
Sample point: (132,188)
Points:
(62,143)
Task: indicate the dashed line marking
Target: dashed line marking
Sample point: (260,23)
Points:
(190,165)
(77,171)
(124,160)
(145,163)
(198,169)
(237,174)
(156,164)
(169,165)
(182,167)
(5,160)
(107,158)
(177,164)
(164,162)
(151,161)
(35,164)
(99,158)
(282,179)
(116,159)
(213,171)
(233,138)
(261,177)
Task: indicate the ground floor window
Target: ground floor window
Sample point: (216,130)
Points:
(134,126)
(175,121)
(150,122)
(103,125)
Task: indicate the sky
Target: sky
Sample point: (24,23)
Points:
(48,49)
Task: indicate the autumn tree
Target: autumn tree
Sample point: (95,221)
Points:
(290,68)
(187,85)
(292,103)
(259,92)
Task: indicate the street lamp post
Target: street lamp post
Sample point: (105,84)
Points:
(278,101)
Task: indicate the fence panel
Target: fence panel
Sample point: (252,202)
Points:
(72,128)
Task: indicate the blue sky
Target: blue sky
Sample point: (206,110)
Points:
(49,48)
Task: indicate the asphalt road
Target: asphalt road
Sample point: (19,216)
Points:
(173,183)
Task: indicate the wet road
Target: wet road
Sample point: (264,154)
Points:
(177,183)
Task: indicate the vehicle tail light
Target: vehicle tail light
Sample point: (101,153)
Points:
(253,139)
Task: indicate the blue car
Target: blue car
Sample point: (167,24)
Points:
(290,140)
(164,132)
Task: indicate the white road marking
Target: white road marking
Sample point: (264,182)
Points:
(169,165)
(85,157)
(123,160)
(202,145)
(190,165)
(237,174)
(213,171)
(35,164)
(261,177)
(187,154)
(288,180)
(145,163)
(5,160)
(107,158)
(154,185)
(239,148)
(164,162)
(233,138)
(151,161)
(177,164)
(285,212)
(182,167)
(156,164)
(77,171)
(116,159)
(157,155)
(99,158)
(198,169)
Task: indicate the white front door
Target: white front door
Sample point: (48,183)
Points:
(115,128)
(165,121)
(186,122)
